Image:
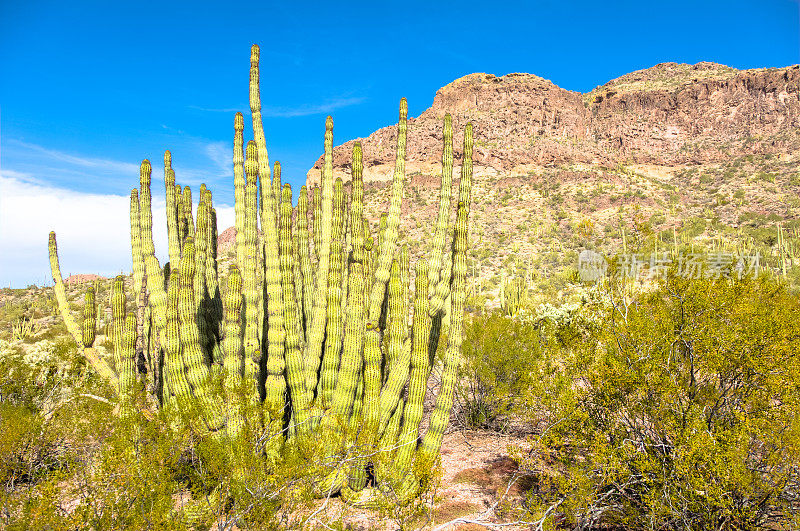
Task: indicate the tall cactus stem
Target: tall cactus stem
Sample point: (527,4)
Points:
(389,240)
(443,217)
(304,255)
(295,373)
(432,442)
(251,286)
(333,342)
(319,312)
(89,319)
(173,233)
(239,185)
(276,334)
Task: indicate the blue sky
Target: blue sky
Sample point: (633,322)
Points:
(88,89)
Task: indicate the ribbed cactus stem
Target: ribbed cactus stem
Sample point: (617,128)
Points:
(304,256)
(405,275)
(275,332)
(233,363)
(89,319)
(389,239)
(357,204)
(154,274)
(297,275)
(369,255)
(317,220)
(173,232)
(136,244)
(118,319)
(319,313)
(175,372)
(197,372)
(372,373)
(61,291)
(180,210)
(351,360)
(442,290)
(276,184)
(432,442)
(295,373)
(239,185)
(370,412)
(187,211)
(333,342)
(465,185)
(123,346)
(252,287)
(443,217)
(138,268)
(202,317)
(398,357)
(152,355)
(212,273)
(127,370)
(420,367)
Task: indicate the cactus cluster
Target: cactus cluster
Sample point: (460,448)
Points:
(313,338)
(514,296)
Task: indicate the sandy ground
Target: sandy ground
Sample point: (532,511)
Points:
(476,473)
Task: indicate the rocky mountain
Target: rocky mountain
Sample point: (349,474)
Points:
(704,149)
(668,114)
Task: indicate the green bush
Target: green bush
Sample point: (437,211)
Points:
(500,377)
(682,412)
(28,449)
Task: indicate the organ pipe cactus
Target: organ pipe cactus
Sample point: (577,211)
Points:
(314,332)
(514,296)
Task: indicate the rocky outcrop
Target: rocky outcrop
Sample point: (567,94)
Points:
(668,114)
(82,278)
(703,119)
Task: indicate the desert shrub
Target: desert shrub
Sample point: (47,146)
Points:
(50,410)
(43,375)
(142,473)
(507,370)
(681,414)
(694,227)
(496,351)
(28,449)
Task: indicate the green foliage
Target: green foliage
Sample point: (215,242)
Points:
(28,450)
(50,411)
(493,371)
(682,413)
(506,372)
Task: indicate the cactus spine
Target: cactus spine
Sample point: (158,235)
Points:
(314,330)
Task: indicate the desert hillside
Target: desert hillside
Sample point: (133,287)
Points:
(704,153)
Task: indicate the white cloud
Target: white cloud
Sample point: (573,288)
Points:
(93,231)
(123,168)
(307,110)
(290,112)
(221,154)
(21,176)
(241,109)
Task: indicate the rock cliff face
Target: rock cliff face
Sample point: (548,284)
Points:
(670,114)
(697,156)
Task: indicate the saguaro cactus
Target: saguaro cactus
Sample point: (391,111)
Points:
(299,341)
